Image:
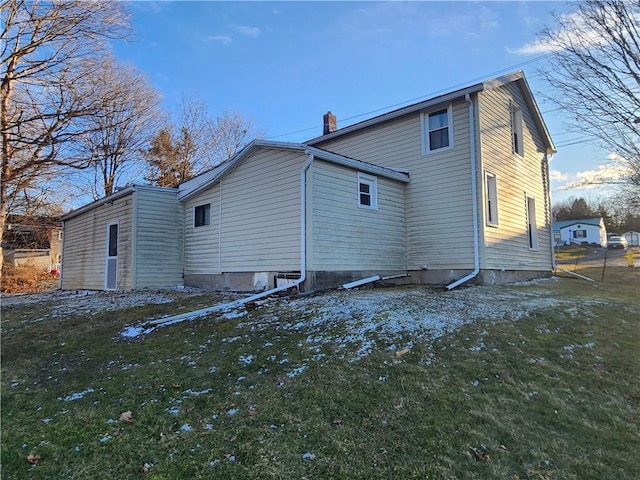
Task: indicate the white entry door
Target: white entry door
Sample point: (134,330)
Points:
(111,273)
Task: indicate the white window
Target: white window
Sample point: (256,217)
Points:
(491,186)
(437,128)
(516,130)
(367,191)
(532,229)
(202,215)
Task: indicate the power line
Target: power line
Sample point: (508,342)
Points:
(423,97)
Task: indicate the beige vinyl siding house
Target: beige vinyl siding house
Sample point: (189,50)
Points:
(438,204)
(445,191)
(349,240)
(520,178)
(254,229)
(441,207)
(255,204)
(141,225)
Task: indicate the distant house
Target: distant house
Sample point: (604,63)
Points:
(633,238)
(445,191)
(32,241)
(582,231)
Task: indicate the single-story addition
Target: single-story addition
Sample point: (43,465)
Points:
(445,191)
(585,230)
(129,239)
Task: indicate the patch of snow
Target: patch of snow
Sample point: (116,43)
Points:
(233,314)
(133,332)
(76,396)
(246,359)
(198,393)
(296,371)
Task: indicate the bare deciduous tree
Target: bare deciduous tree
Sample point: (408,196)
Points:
(197,144)
(594,73)
(47,51)
(129,115)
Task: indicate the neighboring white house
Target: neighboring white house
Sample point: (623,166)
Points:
(445,191)
(583,231)
(633,238)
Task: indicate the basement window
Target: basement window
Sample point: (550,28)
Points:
(202,215)
(367,191)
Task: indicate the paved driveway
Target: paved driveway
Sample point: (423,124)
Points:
(596,258)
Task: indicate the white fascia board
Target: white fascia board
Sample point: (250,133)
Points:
(109,198)
(358,165)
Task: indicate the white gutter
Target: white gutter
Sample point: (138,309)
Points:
(474,189)
(303,267)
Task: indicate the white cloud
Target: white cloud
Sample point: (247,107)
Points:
(558,176)
(223,39)
(249,31)
(594,178)
(577,32)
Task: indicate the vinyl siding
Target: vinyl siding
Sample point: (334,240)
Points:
(438,199)
(256,225)
(159,236)
(85,246)
(507,245)
(345,237)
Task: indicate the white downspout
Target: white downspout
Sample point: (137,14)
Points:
(303,266)
(474,196)
(548,188)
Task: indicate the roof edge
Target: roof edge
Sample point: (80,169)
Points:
(110,198)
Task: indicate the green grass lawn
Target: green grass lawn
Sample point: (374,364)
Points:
(535,381)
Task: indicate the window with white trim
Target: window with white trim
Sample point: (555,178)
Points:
(202,215)
(367,191)
(532,229)
(491,192)
(516,130)
(437,130)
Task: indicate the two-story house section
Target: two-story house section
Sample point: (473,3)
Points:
(478,204)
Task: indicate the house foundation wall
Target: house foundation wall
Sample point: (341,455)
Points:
(323,280)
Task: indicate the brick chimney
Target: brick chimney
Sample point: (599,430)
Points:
(330,123)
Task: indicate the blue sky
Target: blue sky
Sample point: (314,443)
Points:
(285,64)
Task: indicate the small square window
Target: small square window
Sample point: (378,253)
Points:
(202,215)
(367,192)
(437,130)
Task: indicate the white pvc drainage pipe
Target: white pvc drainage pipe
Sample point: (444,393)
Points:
(303,267)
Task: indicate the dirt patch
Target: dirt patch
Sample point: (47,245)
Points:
(70,302)
(27,280)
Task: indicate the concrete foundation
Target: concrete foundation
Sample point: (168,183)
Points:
(323,280)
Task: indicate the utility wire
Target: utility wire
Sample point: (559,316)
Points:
(423,97)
